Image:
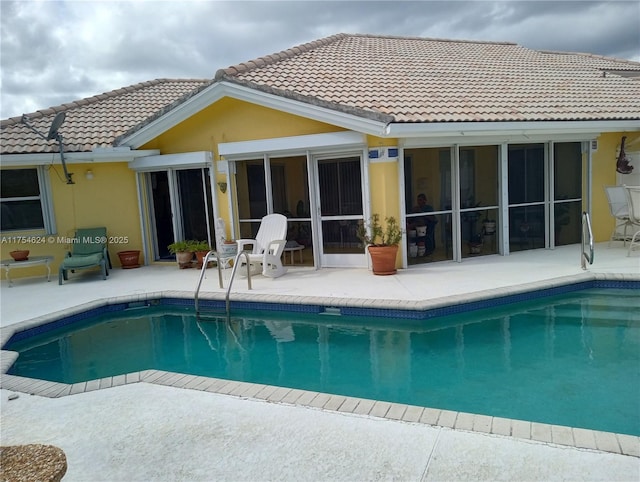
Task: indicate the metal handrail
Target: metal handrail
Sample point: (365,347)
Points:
(584,256)
(203,272)
(233,274)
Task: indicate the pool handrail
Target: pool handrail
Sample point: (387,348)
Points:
(586,257)
(233,273)
(205,262)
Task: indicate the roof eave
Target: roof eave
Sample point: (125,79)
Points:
(118,154)
(479,129)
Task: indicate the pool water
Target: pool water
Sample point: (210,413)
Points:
(570,359)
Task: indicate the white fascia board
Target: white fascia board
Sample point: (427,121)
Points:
(498,129)
(290,145)
(217,91)
(98,155)
(181,160)
(441,141)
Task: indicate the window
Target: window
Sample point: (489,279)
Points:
(25,200)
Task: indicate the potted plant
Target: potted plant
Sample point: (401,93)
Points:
(475,243)
(200,248)
(182,250)
(129,259)
(228,248)
(488,225)
(382,243)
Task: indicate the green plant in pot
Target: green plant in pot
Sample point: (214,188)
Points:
(200,248)
(488,224)
(382,243)
(183,252)
(475,243)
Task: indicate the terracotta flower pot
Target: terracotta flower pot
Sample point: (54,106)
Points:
(200,255)
(20,254)
(383,259)
(184,259)
(129,259)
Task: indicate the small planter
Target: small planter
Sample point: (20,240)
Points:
(475,248)
(184,259)
(20,254)
(200,255)
(129,259)
(383,259)
(228,249)
(489,227)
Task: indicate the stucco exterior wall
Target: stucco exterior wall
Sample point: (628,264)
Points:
(109,199)
(232,120)
(604,174)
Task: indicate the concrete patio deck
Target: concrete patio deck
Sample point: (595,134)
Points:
(151,431)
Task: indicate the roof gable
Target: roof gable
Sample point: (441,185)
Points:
(96,121)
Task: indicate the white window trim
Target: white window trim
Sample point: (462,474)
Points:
(46,203)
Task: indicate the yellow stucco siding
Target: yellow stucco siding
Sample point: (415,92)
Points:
(385,189)
(232,120)
(604,174)
(109,199)
(385,194)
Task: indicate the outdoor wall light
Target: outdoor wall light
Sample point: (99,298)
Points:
(89,174)
(223,187)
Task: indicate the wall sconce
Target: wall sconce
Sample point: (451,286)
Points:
(89,174)
(223,187)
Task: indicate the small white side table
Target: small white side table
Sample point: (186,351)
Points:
(9,264)
(291,250)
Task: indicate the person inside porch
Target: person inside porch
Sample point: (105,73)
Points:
(429,221)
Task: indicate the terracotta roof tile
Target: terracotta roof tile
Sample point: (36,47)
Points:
(390,79)
(96,121)
(435,80)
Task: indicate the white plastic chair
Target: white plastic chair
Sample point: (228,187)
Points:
(267,248)
(619,208)
(633,199)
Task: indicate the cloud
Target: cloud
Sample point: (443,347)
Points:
(54,52)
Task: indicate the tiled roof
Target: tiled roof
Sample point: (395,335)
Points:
(98,120)
(431,80)
(391,79)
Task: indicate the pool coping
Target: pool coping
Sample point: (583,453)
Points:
(539,432)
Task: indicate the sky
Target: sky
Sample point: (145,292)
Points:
(53,52)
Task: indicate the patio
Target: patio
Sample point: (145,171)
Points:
(145,431)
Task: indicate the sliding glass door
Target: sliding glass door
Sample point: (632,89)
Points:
(339,188)
(457,206)
(545,195)
(180,208)
(526,197)
(276,185)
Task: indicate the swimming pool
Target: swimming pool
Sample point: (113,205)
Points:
(569,359)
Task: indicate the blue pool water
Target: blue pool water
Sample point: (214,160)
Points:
(571,359)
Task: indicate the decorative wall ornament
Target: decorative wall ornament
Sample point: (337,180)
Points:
(623,166)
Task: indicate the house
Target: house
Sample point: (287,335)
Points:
(328,133)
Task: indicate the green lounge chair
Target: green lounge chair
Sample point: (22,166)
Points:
(88,250)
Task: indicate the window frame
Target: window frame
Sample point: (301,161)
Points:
(45,198)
